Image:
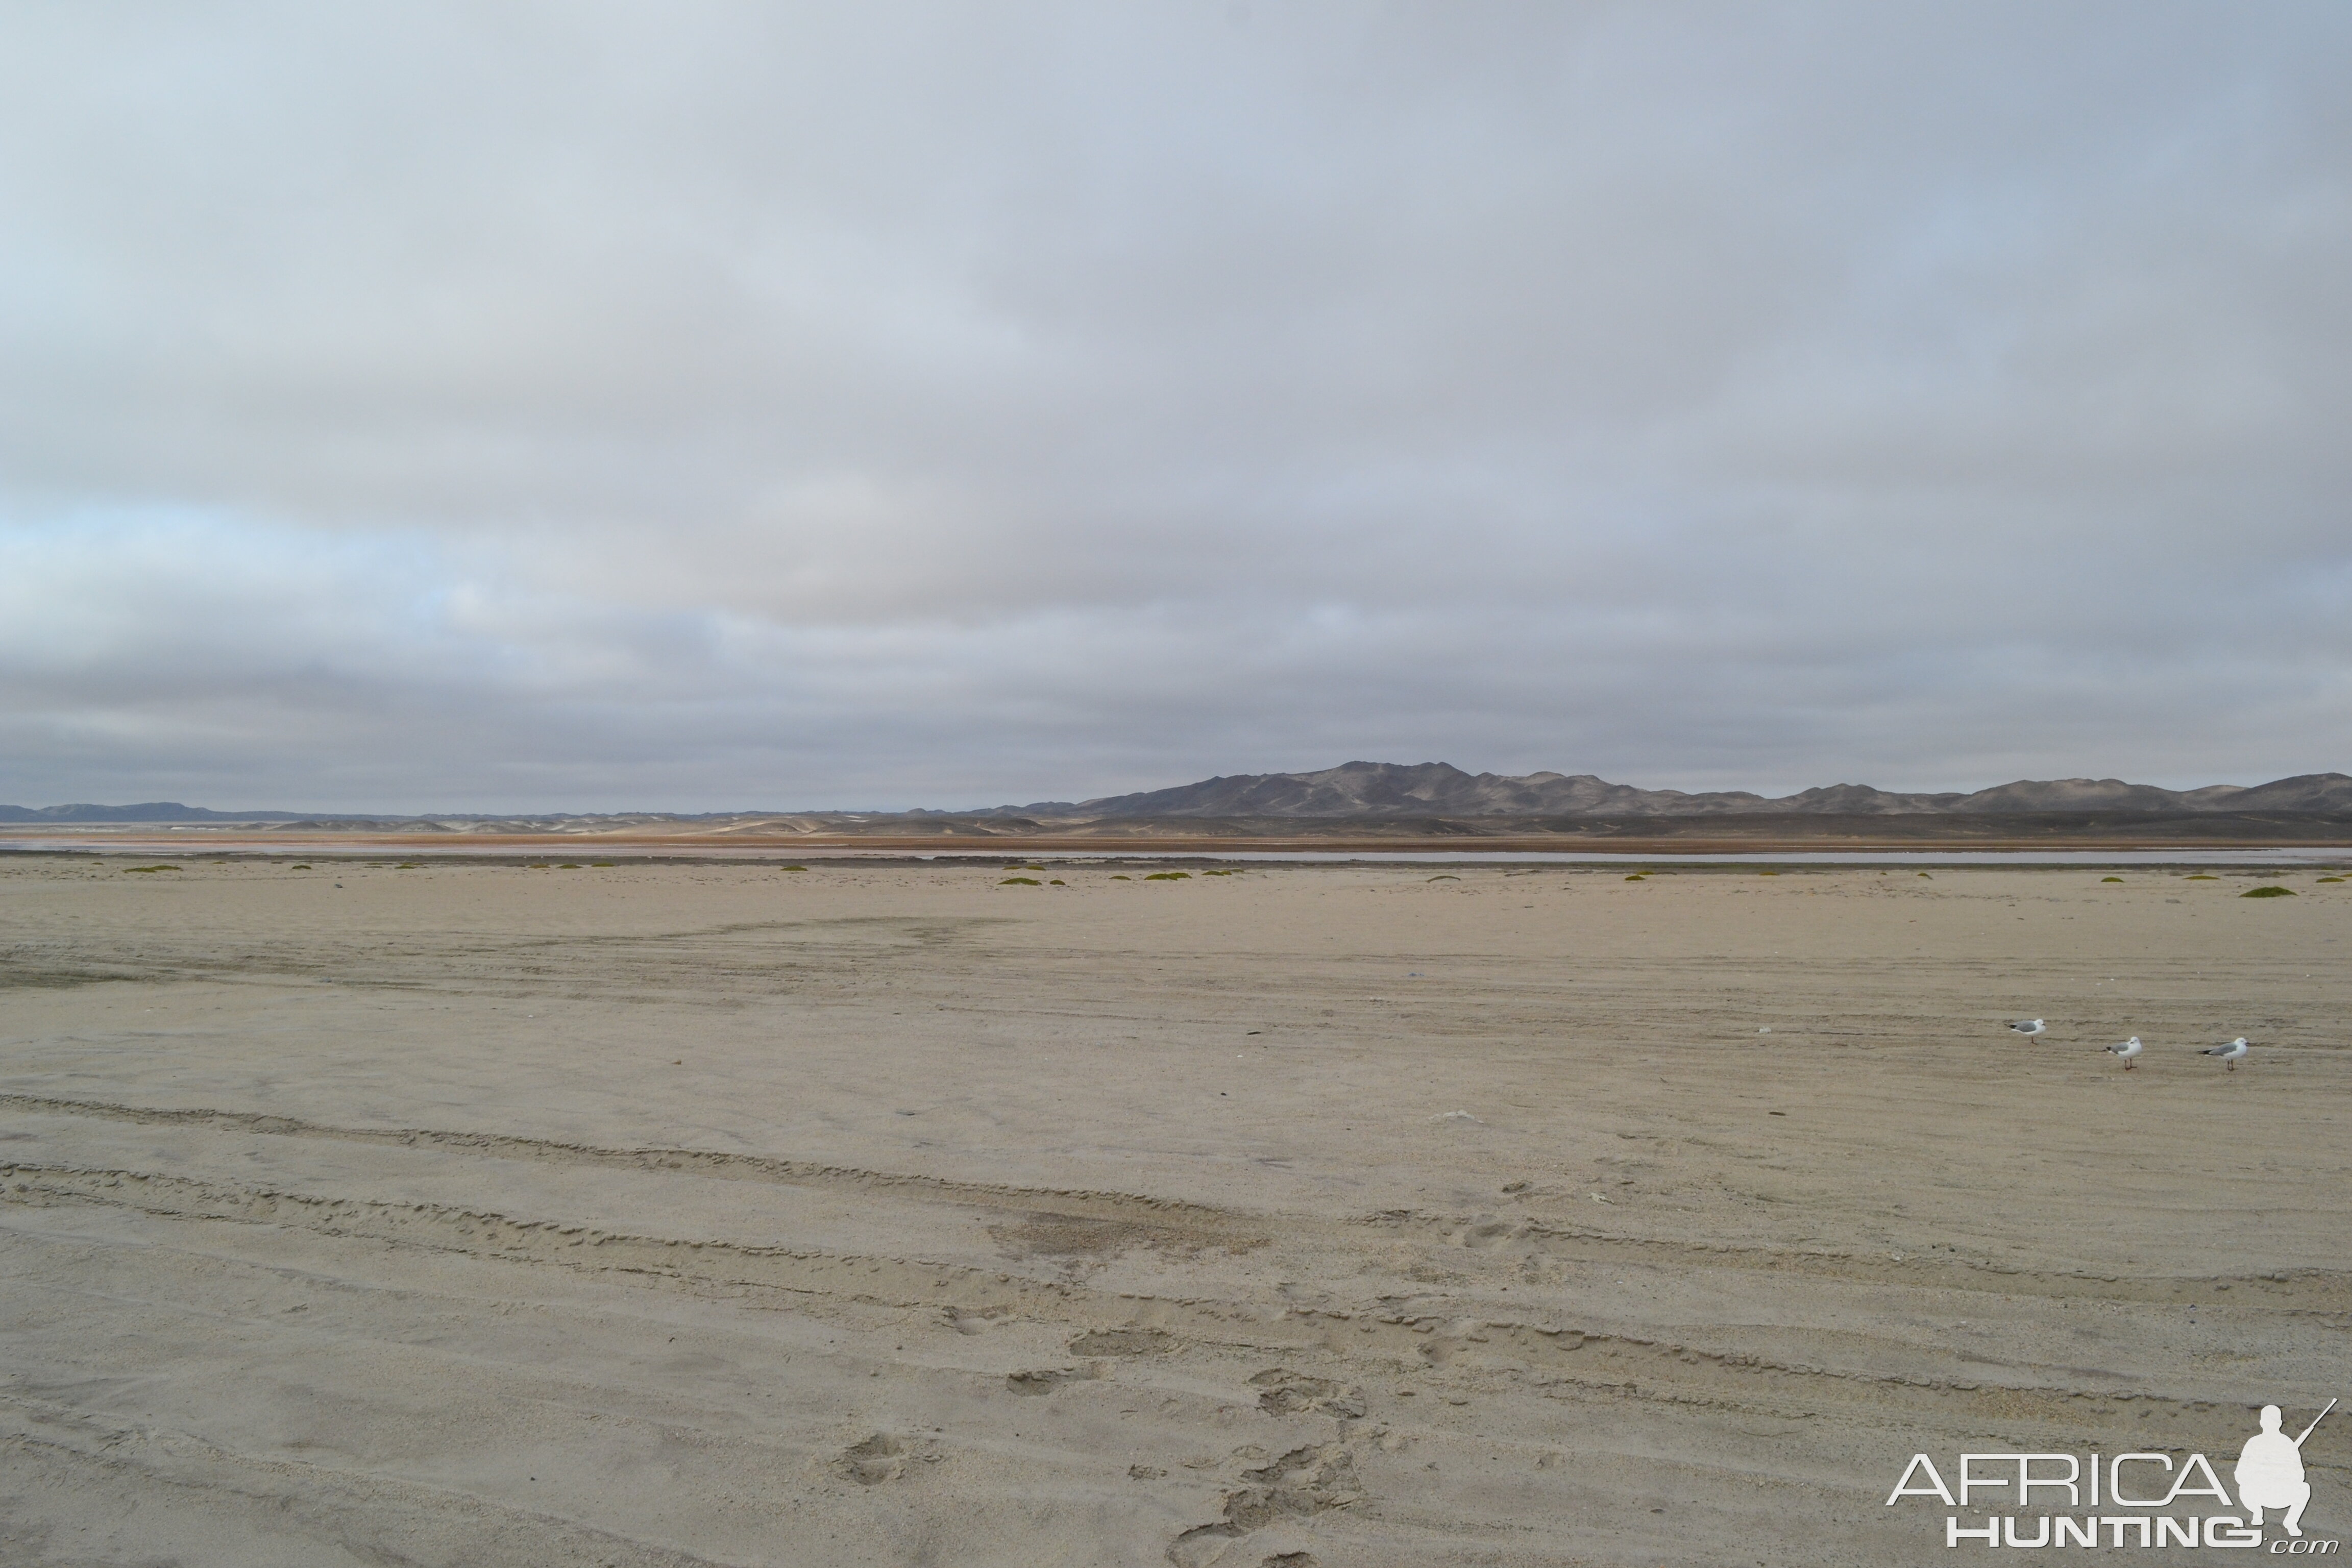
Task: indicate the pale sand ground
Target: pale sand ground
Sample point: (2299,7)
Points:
(485,1216)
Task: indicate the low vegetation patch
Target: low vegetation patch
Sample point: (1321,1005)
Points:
(1021,882)
(1170,877)
(2272,891)
(143,871)
(2111,879)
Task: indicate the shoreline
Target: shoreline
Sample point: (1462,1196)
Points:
(1300,849)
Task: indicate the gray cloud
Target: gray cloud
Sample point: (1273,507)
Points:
(540,405)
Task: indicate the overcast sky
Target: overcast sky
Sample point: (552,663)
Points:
(691,407)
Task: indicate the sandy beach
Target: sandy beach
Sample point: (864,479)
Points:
(473,1213)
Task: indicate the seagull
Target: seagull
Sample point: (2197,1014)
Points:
(2029,1027)
(2231,1054)
(2128,1050)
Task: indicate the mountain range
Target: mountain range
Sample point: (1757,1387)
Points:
(1437,789)
(1375,791)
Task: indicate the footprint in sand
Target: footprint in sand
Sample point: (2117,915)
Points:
(1300,1484)
(879,1458)
(1044,1380)
(1289,1392)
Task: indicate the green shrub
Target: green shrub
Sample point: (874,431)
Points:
(1170,877)
(2111,879)
(2272,891)
(1019,882)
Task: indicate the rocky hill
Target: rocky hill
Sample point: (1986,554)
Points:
(1437,789)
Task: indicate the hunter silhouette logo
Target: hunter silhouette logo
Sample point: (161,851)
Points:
(2137,1499)
(2270,1471)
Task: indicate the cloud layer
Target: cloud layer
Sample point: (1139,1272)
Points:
(525,406)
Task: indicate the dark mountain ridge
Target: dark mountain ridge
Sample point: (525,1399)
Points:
(1438,789)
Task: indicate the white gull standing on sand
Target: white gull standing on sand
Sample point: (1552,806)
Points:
(2128,1050)
(2029,1027)
(2230,1054)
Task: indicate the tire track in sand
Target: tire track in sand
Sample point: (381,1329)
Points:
(1178,1222)
(1371,1342)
